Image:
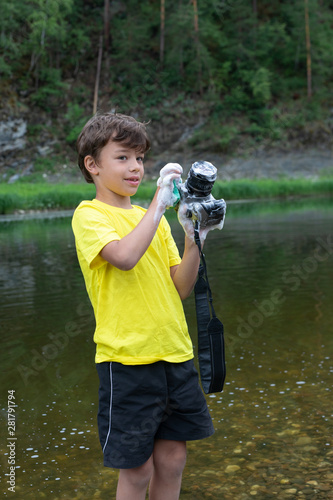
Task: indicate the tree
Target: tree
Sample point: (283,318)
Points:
(308,48)
(48,29)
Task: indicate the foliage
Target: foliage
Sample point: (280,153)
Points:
(75,120)
(244,58)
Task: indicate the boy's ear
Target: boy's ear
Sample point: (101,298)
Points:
(90,165)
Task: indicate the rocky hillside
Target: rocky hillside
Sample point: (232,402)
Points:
(34,145)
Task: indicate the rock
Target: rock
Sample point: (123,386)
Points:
(210,473)
(12,134)
(313,449)
(43,150)
(230,469)
(13,178)
(288,432)
(303,440)
(324,487)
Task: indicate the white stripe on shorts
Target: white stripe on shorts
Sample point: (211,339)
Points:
(111,391)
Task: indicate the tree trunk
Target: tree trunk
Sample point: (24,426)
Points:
(107,25)
(308,49)
(107,39)
(98,73)
(162,32)
(196,38)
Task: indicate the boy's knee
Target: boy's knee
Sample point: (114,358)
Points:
(170,459)
(138,476)
(178,462)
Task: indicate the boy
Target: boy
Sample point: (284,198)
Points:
(150,402)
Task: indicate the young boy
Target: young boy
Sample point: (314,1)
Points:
(150,401)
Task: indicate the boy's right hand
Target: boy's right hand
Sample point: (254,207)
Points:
(169,173)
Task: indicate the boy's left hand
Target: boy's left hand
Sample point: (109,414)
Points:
(188,224)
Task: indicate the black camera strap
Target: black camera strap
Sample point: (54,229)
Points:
(211,352)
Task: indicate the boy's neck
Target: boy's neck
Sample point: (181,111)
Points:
(114,199)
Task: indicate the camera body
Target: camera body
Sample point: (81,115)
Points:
(195,193)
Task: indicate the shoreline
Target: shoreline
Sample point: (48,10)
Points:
(50,214)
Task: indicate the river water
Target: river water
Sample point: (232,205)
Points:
(271,275)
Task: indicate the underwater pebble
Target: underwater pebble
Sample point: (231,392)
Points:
(230,469)
(210,472)
(288,432)
(303,440)
(284,481)
(324,487)
(313,449)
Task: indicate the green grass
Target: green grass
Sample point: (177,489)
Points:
(43,196)
(246,189)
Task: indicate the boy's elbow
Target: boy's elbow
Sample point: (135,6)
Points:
(127,265)
(124,263)
(184,292)
(117,259)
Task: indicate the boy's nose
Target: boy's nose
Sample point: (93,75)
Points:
(134,165)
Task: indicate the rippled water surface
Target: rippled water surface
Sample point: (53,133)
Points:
(271,274)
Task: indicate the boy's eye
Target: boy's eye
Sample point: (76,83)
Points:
(122,157)
(140,158)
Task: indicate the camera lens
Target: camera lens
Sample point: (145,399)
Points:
(201,178)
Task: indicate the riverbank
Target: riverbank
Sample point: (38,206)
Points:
(22,197)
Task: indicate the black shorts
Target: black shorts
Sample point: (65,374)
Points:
(141,403)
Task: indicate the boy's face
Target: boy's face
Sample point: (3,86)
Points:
(119,170)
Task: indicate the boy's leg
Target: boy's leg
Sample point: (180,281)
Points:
(133,483)
(164,470)
(169,458)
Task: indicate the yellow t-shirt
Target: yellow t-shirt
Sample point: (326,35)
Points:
(139,314)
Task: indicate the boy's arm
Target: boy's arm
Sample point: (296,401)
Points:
(126,252)
(184,275)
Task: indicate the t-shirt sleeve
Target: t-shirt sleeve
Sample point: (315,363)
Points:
(173,253)
(92,230)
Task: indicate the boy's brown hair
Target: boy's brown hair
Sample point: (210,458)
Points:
(102,128)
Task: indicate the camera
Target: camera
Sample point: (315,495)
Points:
(195,193)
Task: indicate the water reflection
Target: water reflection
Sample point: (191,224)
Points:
(271,274)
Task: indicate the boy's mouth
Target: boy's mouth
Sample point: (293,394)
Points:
(134,181)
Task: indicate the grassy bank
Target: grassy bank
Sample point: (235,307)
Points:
(43,196)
